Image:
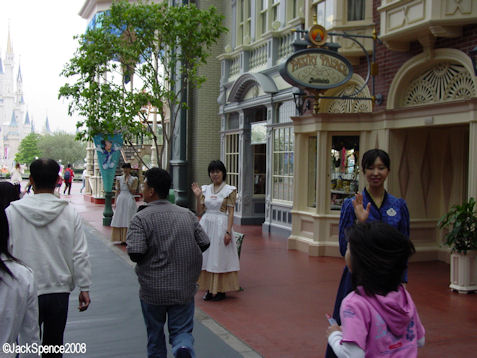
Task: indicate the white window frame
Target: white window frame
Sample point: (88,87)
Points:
(231,158)
(279,193)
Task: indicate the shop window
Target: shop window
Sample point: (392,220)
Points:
(312,155)
(259,156)
(344,169)
(285,111)
(232,121)
(232,159)
(283,162)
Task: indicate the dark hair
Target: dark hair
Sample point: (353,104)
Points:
(17,165)
(159,180)
(370,157)
(44,173)
(379,255)
(126,165)
(69,165)
(4,240)
(8,193)
(217,165)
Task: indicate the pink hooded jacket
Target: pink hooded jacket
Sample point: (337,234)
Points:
(383,326)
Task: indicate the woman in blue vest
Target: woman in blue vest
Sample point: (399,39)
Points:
(373,204)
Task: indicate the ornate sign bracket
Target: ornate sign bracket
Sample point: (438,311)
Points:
(316,43)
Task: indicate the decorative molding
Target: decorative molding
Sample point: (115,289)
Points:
(243,84)
(462,6)
(347,105)
(443,82)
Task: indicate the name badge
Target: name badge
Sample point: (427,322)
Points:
(213,196)
(391,212)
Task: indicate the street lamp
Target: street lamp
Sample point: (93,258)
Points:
(473,57)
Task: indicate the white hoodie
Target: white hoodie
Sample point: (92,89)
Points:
(46,233)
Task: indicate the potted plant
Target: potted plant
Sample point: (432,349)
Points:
(460,223)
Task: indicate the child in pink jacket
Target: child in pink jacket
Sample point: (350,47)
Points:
(379,318)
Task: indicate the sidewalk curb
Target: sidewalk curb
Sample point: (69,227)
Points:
(227,337)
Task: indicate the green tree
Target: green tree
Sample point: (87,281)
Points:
(64,147)
(158,48)
(28,149)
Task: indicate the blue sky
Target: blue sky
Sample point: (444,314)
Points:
(42,38)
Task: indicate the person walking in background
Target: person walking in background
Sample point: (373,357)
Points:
(83,179)
(68,176)
(220,265)
(379,318)
(166,242)
(373,204)
(19,308)
(16,177)
(46,233)
(125,204)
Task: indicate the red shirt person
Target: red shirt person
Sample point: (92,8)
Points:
(68,176)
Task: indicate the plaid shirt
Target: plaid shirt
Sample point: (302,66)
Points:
(169,236)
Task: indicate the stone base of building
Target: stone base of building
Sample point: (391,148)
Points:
(276,229)
(313,248)
(242,220)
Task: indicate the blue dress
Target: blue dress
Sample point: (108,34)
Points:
(393,211)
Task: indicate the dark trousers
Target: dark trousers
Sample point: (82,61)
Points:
(67,186)
(53,312)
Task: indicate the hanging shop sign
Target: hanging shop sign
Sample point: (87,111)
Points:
(316,68)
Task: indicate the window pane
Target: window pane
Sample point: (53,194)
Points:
(320,13)
(290,168)
(312,145)
(329,14)
(356,10)
(344,169)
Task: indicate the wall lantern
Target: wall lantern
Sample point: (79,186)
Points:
(473,57)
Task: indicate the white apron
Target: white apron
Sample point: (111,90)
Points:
(218,258)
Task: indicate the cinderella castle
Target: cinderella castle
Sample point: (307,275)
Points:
(15,121)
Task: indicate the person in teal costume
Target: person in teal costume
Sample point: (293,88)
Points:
(373,204)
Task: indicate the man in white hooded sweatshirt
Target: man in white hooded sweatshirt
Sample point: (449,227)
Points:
(46,233)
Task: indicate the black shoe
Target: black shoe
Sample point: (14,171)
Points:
(208,296)
(183,352)
(219,296)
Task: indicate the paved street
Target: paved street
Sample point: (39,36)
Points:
(113,325)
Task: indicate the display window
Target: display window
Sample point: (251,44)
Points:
(344,169)
(232,158)
(283,162)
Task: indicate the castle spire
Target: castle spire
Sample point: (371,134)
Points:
(9,42)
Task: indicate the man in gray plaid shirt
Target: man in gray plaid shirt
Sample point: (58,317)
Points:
(166,241)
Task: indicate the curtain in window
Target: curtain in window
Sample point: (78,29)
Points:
(356,10)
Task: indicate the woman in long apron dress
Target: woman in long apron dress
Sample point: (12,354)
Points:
(220,263)
(125,204)
(374,204)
